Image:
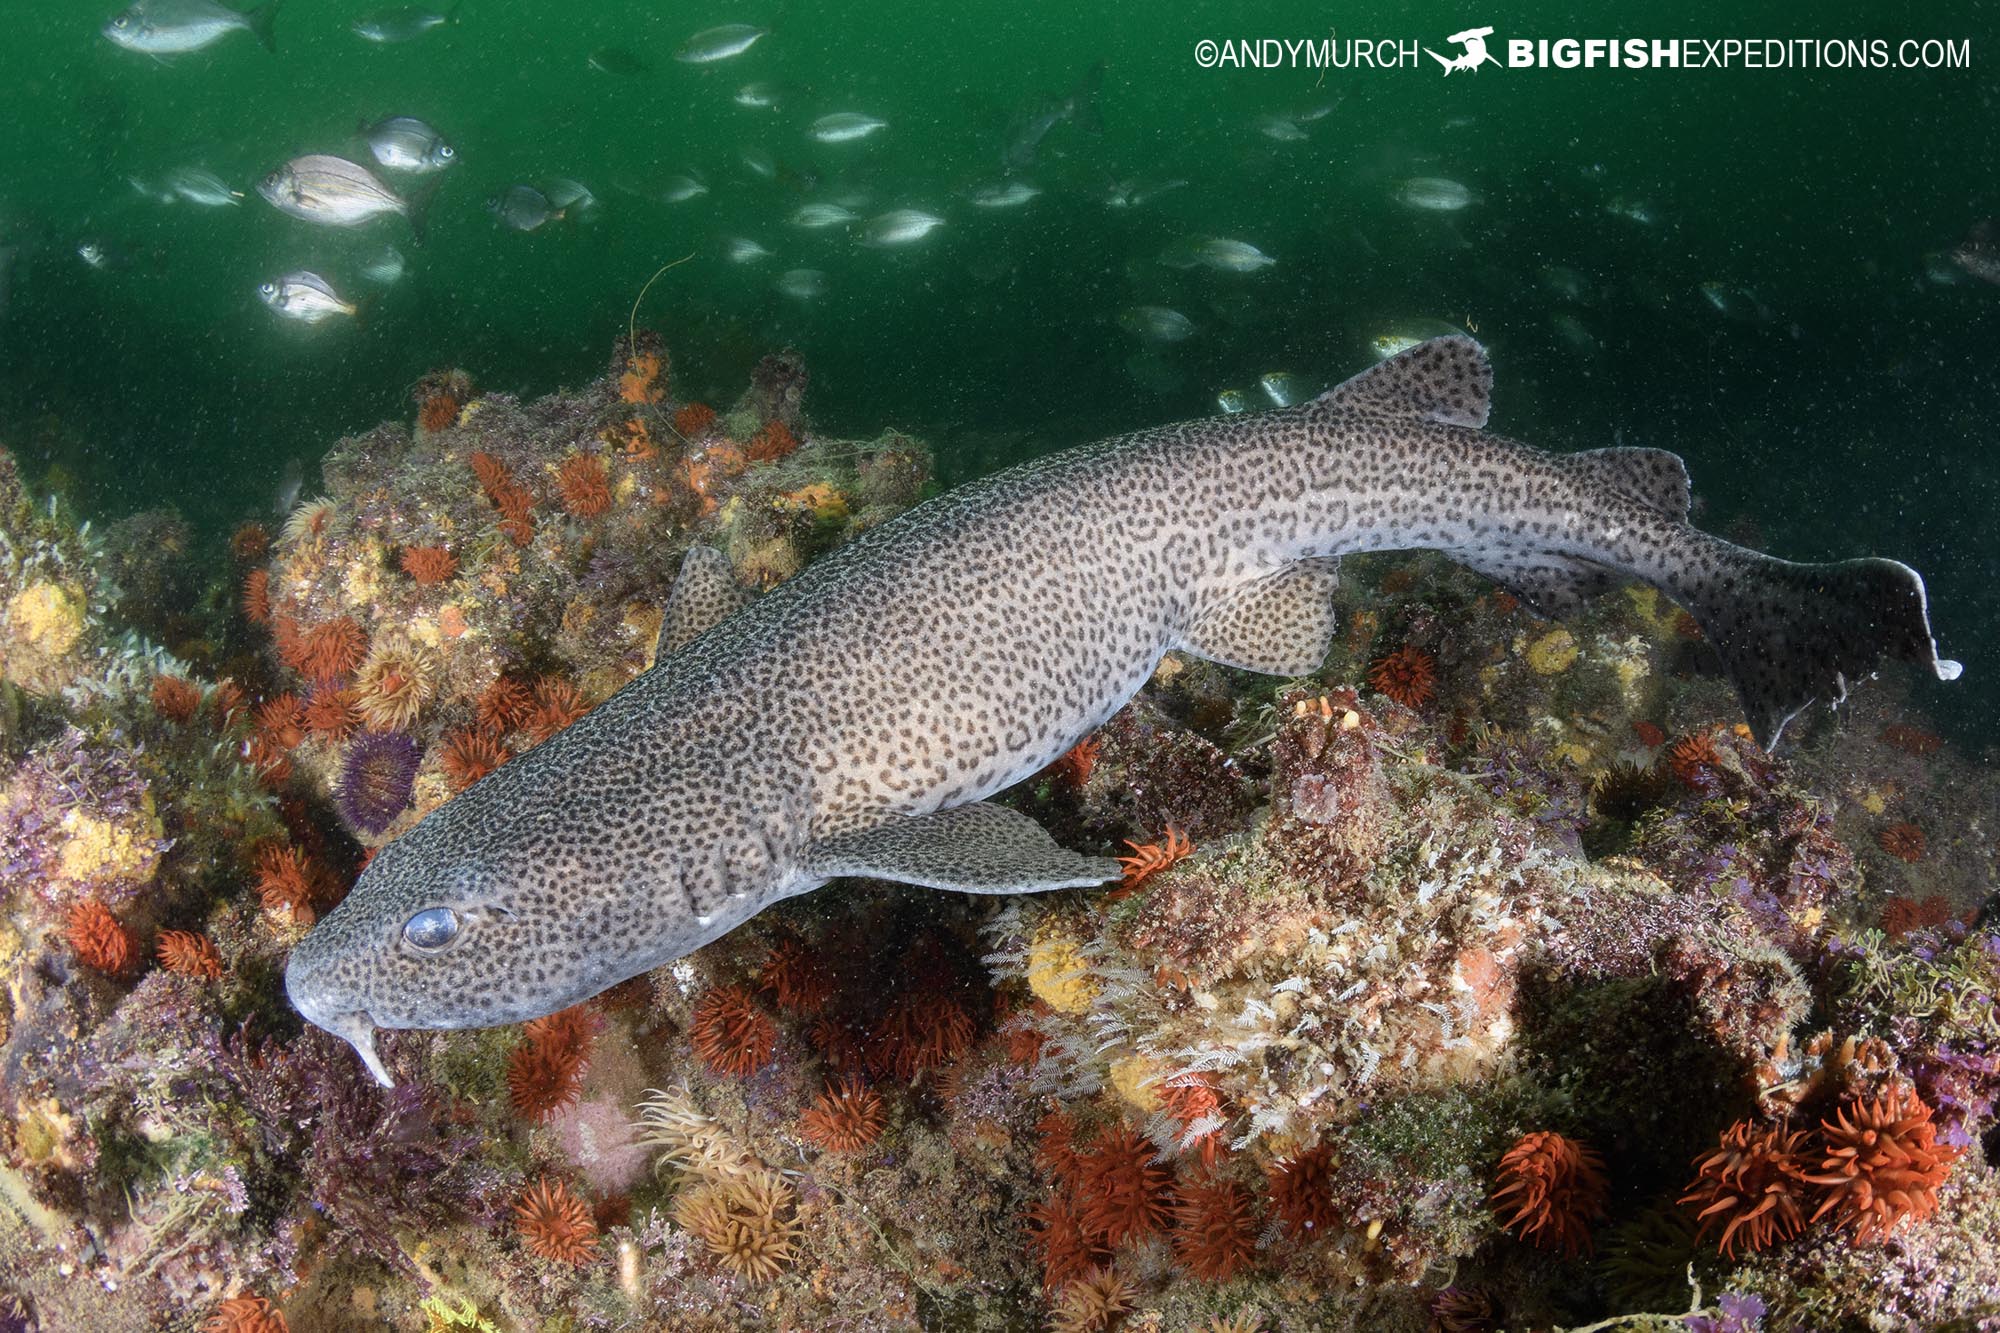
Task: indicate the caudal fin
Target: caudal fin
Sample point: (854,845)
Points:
(1792,634)
(263,22)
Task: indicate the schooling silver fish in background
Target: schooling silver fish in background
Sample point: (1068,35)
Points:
(403,24)
(176,27)
(306,297)
(336,193)
(854,720)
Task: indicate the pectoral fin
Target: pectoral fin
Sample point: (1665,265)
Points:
(704,594)
(1281,625)
(976,848)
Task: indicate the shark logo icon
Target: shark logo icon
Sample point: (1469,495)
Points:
(1476,54)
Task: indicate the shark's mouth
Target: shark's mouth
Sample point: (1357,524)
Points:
(357,1029)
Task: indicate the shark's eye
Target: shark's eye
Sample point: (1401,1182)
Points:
(432,928)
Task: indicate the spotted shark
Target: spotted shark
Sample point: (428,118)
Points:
(855,720)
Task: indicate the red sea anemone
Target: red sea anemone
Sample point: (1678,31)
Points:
(175,699)
(508,496)
(1551,1188)
(558,703)
(427,565)
(189,954)
(545,1072)
(794,978)
(1882,1163)
(730,1033)
(376,776)
(847,1117)
(246,1314)
(1751,1186)
(1068,1249)
(290,882)
(1905,842)
(920,1032)
(470,753)
(1408,675)
(1302,1192)
(1124,1187)
(772,443)
(100,940)
(555,1224)
(693,420)
(505,705)
(1692,757)
(331,649)
(257,596)
(331,713)
(585,485)
(1215,1229)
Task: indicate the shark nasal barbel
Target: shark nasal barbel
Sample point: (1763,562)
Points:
(854,720)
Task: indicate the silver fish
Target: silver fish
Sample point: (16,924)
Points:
(1156,324)
(845,127)
(175,27)
(306,297)
(334,192)
(385,267)
(104,256)
(762,96)
(1434,194)
(616,60)
(680,189)
(1283,388)
(1283,129)
(404,143)
(814,217)
(960,647)
(1220,253)
(801,284)
(1135,193)
(1001,194)
(523,208)
(199,185)
(712,44)
(899,226)
(404,23)
(1402,335)
(743,250)
(1032,125)
(1979,253)
(1230,402)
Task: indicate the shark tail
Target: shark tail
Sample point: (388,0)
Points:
(263,23)
(1790,635)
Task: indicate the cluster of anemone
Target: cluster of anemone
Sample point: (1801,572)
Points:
(1873,1166)
(514,501)
(847,1117)
(748,1223)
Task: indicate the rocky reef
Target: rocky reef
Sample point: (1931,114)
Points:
(1490,978)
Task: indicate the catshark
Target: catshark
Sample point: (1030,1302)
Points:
(855,719)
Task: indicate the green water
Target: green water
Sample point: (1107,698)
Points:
(1850,413)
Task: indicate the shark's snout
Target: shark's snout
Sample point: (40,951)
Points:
(353,1026)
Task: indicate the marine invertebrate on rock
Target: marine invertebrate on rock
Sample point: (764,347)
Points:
(1551,1188)
(748,1222)
(1067,1248)
(730,1033)
(1693,757)
(555,1224)
(1408,675)
(1553,653)
(1073,770)
(1215,1228)
(1150,858)
(846,1118)
(246,1314)
(558,703)
(1123,1186)
(250,541)
(469,754)
(395,684)
(100,940)
(330,650)
(290,882)
(693,420)
(639,382)
(505,705)
(1904,841)
(919,1032)
(545,1071)
(175,699)
(794,978)
(277,719)
(584,484)
(308,522)
(1092,1302)
(1302,1192)
(1913,741)
(1901,915)
(507,495)
(439,396)
(331,713)
(256,597)
(1753,1184)
(1625,791)
(1191,1099)
(1649,733)
(1882,1163)
(427,565)
(773,442)
(190,954)
(377,775)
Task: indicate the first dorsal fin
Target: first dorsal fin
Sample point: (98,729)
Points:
(705,593)
(1447,380)
(1652,477)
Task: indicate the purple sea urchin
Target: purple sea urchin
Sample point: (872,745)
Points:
(376,776)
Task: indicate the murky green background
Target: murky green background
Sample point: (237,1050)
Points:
(1853,412)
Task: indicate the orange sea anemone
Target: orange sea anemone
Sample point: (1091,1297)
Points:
(1215,1229)
(470,753)
(555,1224)
(1192,1100)
(794,978)
(558,703)
(545,1071)
(1408,675)
(1693,756)
(508,496)
(1302,1192)
(291,883)
(257,596)
(1650,735)
(920,1032)
(250,541)
(331,713)
(175,699)
(772,443)
(1067,1248)
(1903,841)
(1150,858)
(394,685)
(1901,915)
(1124,1187)
(246,1314)
(693,421)
(1883,1164)
(730,1033)
(427,565)
(100,940)
(189,954)
(1073,770)
(585,485)
(1751,1186)
(847,1117)
(331,649)
(505,705)
(1551,1188)
(278,719)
